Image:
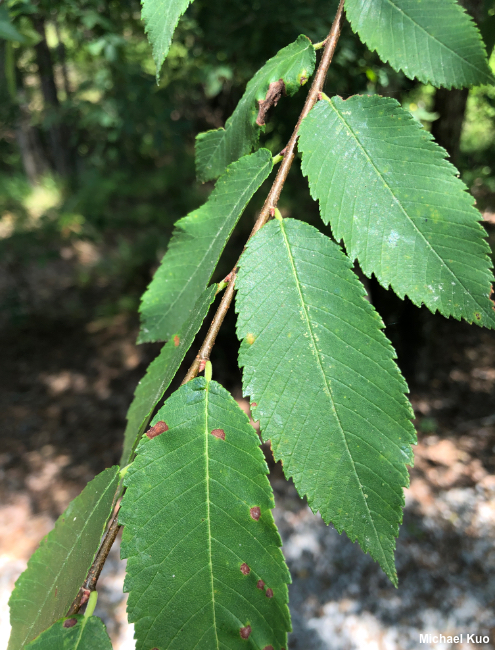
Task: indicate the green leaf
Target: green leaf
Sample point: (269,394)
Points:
(7,30)
(160,19)
(388,192)
(199,533)
(84,633)
(196,246)
(160,373)
(216,149)
(436,42)
(323,381)
(56,571)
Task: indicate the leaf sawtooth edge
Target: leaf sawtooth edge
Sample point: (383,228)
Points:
(198,526)
(391,228)
(160,32)
(375,33)
(312,424)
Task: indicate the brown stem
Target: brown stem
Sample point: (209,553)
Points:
(208,343)
(97,566)
(276,189)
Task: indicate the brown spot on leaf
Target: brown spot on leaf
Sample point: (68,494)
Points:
(478,316)
(260,584)
(255,513)
(70,622)
(275,91)
(250,338)
(160,427)
(245,569)
(253,404)
(245,632)
(85,596)
(176,341)
(218,433)
(268,647)
(269,593)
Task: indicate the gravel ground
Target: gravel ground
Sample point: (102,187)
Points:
(340,599)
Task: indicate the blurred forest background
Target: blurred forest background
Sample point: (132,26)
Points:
(96,164)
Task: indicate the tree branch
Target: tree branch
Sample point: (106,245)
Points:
(274,193)
(97,566)
(204,352)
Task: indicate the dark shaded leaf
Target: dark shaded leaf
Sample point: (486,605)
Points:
(55,572)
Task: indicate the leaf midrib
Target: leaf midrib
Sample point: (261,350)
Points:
(327,383)
(420,27)
(208,514)
(166,39)
(398,202)
(81,630)
(67,559)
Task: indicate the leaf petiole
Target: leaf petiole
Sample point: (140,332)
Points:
(90,607)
